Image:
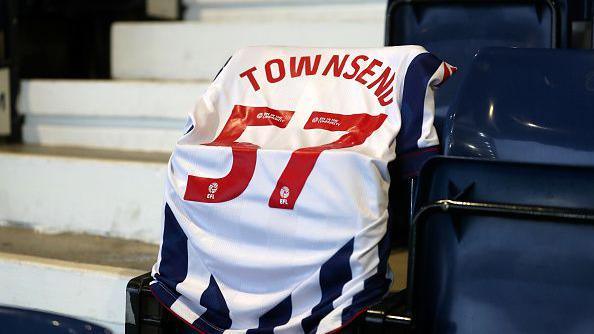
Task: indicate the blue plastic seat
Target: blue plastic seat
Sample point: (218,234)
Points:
(456,30)
(505,248)
(23,321)
(526,105)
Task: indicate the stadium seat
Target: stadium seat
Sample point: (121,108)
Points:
(24,321)
(456,30)
(530,105)
(503,247)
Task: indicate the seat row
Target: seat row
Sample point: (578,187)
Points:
(504,222)
(501,239)
(455,30)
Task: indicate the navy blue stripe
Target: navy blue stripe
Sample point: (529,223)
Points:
(216,318)
(173,267)
(334,274)
(276,316)
(163,294)
(221,69)
(189,129)
(420,70)
(374,287)
(410,164)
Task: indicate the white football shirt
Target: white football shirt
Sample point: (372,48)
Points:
(275,214)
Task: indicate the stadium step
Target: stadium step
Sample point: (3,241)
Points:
(85,276)
(107,114)
(287,10)
(197,50)
(81,201)
(110,193)
(77,275)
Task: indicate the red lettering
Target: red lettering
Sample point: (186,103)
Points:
(217,190)
(382,99)
(250,74)
(358,128)
(281,70)
(356,67)
(291,182)
(304,64)
(368,71)
(384,81)
(333,63)
(363,73)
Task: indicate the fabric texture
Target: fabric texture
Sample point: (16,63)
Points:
(275,211)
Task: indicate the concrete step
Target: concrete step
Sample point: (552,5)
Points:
(85,276)
(76,275)
(107,114)
(109,193)
(285,10)
(197,51)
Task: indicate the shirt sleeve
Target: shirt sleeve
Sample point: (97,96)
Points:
(417,139)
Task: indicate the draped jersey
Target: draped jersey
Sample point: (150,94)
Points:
(275,211)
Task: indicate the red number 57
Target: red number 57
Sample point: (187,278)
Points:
(358,128)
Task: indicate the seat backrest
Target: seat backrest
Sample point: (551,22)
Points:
(481,180)
(456,30)
(491,271)
(530,105)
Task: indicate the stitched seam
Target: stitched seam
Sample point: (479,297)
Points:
(167,290)
(175,314)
